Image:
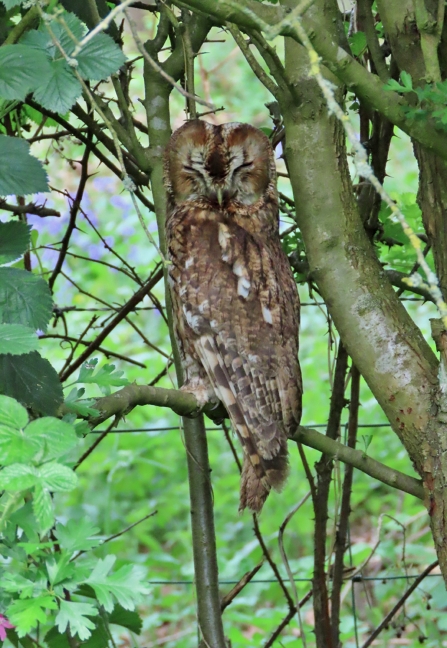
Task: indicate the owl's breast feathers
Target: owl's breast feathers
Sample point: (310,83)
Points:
(236,312)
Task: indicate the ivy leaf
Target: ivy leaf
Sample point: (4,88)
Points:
(21,69)
(18,477)
(17,339)
(100,58)
(76,535)
(75,616)
(31,380)
(26,614)
(14,240)
(12,414)
(54,436)
(20,172)
(24,299)
(125,585)
(57,477)
(43,508)
(59,89)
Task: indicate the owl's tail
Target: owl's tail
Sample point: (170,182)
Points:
(264,441)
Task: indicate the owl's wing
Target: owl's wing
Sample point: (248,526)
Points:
(240,302)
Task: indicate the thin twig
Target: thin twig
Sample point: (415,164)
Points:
(399,604)
(282,528)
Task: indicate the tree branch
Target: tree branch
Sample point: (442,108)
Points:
(368,87)
(185,404)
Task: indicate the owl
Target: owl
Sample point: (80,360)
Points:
(235,302)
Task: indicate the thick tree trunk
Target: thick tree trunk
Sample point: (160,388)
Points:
(400,22)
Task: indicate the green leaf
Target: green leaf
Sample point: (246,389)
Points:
(80,407)
(54,639)
(9,4)
(26,614)
(100,636)
(12,414)
(15,447)
(24,299)
(407,81)
(43,508)
(125,585)
(18,477)
(105,377)
(358,43)
(32,381)
(100,58)
(20,172)
(17,339)
(21,69)
(59,89)
(126,618)
(76,535)
(57,477)
(392,84)
(75,616)
(14,240)
(54,435)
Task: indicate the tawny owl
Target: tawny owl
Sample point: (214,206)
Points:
(235,302)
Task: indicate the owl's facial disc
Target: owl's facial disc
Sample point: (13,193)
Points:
(229,164)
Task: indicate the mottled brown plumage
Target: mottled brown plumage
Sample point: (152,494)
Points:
(235,302)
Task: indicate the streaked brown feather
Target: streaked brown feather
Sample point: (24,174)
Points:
(235,303)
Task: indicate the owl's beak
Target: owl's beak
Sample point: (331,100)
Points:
(219,195)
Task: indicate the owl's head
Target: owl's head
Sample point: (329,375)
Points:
(232,163)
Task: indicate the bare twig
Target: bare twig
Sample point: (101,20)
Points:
(399,604)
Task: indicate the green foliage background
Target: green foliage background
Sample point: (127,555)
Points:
(140,467)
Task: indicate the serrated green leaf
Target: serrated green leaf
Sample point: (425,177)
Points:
(76,535)
(17,339)
(99,638)
(100,58)
(9,4)
(126,618)
(105,377)
(55,436)
(57,477)
(32,381)
(43,508)
(18,477)
(125,585)
(54,639)
(65,30)
(75,616)
(18,583)
(26,614)
(21,71)
(20,172)
(392,84)
(59,89)
(14,240)
(406,79)
(80,407)
(24,299)
(12,414)
(15,447)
